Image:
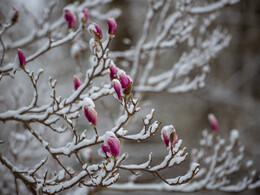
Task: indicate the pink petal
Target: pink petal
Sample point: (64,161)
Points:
(21,57)
(111,26)
(86,14)
(77,82)
(117,86)
(91,114)
(113,72)
(114,145)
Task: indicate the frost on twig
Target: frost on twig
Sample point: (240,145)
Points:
(221,159)
(175,29)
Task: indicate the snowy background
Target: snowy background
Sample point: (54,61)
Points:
(232,90)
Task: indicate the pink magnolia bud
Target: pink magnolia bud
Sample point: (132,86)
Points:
(168,135)
(117,86)
(95,30)
(91,114)
(113,72)
(213,122)
(70,17)
(90,111)
(125,81)
(105,149)
(111,26)
(77,82)
(85,14)
(21,57)
(14,15)
(113,143)
(165,138)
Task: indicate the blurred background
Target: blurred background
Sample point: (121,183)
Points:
(232,90)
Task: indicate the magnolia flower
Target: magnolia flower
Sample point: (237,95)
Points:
(111,26)
(168,135)
(213,122)
(111,144)
(90,111)
(77,82)
(96,31)
(85,15)
(113,71)
(70,17)
(117,86)
(21,58)
(125,81)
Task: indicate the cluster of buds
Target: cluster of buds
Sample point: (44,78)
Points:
(213,122)
(21,58)
(111,145)
(95,30)
(90,111)
(77,82)
(71,18)
(169,136)
(121,82)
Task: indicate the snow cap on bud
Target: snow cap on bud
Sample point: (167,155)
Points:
(111,26)
(169,135)
(213,122)
(90,111)
(113,143)
(14,15)
(77,82)
(113,71)
(70,17)
(21,58)
(96,31)
(125,81)
(85,15)
(117,87)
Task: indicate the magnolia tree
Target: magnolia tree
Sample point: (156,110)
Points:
(45,150)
